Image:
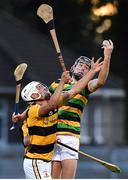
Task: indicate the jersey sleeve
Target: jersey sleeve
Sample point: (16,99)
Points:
(86,91)
(54,86)
(33,111)
(24,128)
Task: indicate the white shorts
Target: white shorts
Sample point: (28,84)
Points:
(61,153)
(37,169)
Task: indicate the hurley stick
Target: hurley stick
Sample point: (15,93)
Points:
(18,73)
(45,12)
(111,167)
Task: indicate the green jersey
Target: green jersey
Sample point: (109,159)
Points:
(70,113)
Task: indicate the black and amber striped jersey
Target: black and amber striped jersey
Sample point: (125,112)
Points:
(42,132)
(24,128)
(24,134)
(70,113)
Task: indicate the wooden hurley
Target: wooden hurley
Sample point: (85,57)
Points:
(18,74)
(45,12)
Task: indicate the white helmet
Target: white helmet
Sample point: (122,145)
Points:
(28,90)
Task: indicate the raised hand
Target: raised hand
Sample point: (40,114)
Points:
(108,47)
(96,66)
(66,77)
(16,117)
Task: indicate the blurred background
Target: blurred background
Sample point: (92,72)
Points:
(81,27)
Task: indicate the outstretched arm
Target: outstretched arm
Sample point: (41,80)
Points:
(103,74)
(56,99)
(51,104)
(82,83)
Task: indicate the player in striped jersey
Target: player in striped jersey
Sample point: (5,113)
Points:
(64,162)
(25,136)
(42,117)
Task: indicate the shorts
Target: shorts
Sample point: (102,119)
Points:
(62,153)
(37,169)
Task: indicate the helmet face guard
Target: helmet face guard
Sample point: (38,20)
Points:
(31,88)
(81,59)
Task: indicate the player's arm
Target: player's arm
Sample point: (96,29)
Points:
(65,78)
(26,139)
(82,83)
(24,128)
(19,116)
(103,74)
(56,96)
